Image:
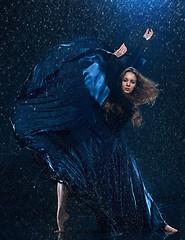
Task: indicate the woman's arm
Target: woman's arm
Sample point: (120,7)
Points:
(123,49)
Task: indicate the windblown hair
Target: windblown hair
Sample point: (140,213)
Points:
(145,92)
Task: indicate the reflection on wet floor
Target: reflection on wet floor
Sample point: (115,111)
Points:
(83,226)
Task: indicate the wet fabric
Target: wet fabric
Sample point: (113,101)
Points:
(58,116)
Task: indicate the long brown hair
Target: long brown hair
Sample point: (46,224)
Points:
(145,92)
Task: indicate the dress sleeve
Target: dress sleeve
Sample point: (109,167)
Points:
(62,102)
(135,59)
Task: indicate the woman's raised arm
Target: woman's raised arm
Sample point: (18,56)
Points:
(123,49)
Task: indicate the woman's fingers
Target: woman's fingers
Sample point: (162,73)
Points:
(148,34)
(121,51)
(147,31)
(123,48)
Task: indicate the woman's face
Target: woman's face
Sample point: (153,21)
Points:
(128,82)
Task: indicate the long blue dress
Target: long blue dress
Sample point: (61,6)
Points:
(58,116)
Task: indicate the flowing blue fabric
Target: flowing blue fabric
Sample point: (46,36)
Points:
(58,116)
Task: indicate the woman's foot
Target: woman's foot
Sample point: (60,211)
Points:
(61,219)
(169,230)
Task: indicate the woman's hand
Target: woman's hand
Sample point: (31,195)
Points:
(121,51)
(148,34)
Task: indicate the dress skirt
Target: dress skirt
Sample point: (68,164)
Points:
(58,117)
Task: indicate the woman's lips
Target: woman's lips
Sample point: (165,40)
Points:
(127,89)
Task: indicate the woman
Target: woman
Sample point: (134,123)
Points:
(70,113)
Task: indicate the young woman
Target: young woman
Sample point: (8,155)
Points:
(70,114)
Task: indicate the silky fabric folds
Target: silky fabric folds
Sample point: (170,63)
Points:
(58,116)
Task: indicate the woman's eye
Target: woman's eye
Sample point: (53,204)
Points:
(124,80)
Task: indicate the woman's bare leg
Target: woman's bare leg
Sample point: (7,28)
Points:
(62,215)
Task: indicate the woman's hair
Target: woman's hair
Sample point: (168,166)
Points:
(145,92)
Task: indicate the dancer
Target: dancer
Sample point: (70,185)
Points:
(70,114)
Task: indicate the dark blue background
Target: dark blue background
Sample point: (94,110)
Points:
(29,28)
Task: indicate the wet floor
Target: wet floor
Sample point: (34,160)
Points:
(18,225)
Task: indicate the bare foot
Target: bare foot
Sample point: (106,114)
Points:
(59,231)
(170,230)
(61,219)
